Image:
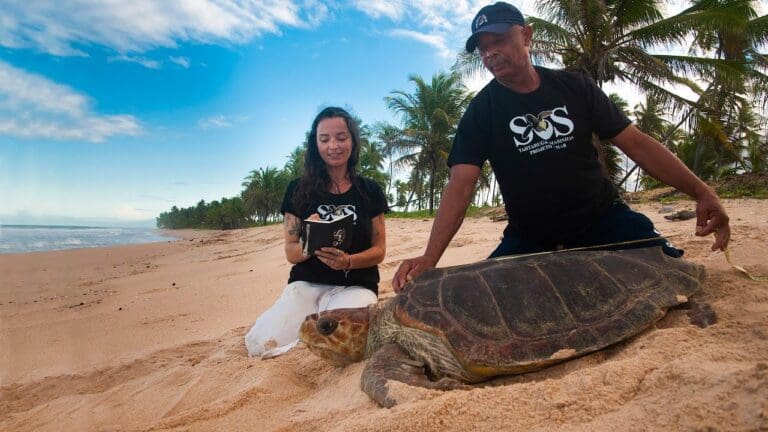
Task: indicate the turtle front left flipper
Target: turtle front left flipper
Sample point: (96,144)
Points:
(391,362)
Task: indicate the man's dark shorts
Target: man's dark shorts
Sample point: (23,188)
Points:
(618,224)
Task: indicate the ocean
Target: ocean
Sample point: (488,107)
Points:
(39,238)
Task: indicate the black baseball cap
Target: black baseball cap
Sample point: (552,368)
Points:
(496,18)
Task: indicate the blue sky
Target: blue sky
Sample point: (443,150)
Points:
(113,111)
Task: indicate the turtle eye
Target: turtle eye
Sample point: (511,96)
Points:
(326,326)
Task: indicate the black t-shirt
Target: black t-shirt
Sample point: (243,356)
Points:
(363,210)
(539,145)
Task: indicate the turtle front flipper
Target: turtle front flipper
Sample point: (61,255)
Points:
(391,362)
(700,314)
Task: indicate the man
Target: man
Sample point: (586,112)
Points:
(535,126)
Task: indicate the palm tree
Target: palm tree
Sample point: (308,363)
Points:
(295,165)
(755,146)
(483,184)
(371,159)
(402,200)
(734,87)
(430,116)
(229,214)
(610,157)
(649,118)
(690,150)
(735,41)
(264,189)
(610,40)
(389,136)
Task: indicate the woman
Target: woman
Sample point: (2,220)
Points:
(330,278)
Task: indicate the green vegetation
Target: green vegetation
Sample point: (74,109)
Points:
(228,213)
(472,211)
(418,214)
(754,185)
(750,185)
(720,132)
(745,193)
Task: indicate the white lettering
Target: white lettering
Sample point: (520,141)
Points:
(564,121)
(545,125)
(330,212)
(520,127)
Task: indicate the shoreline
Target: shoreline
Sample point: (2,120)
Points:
(21,239)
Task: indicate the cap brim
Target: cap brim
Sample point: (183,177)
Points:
(491,28)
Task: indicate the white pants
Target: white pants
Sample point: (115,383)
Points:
(277,330)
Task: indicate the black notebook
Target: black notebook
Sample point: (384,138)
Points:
(336,233)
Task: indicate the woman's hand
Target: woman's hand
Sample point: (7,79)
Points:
(294,252)
(313,216)
(334,258)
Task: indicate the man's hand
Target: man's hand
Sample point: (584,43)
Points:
(409,269)
(712,218)
(660,163)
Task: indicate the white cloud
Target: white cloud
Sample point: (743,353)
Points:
(138,26)
(32,106)
(141,25)
(316,12)
(435,40)
(392,9)
(147,63)
(221,121)
(181,61)
(443,24)
(215,122)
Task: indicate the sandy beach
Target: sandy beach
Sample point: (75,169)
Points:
(150,337)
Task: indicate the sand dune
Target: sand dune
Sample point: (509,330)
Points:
(149,337)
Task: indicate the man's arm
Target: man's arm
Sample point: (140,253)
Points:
(663,165)
(450,214)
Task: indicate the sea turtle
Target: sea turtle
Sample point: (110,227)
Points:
(681,215)
(469,323)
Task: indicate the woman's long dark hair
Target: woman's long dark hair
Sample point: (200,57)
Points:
(315,179)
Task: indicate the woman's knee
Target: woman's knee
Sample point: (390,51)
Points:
(298,291)
(348,297)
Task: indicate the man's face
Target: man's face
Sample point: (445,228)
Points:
(506,54)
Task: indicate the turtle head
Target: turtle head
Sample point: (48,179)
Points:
(338,335)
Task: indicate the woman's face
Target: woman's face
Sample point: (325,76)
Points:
(334,142)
